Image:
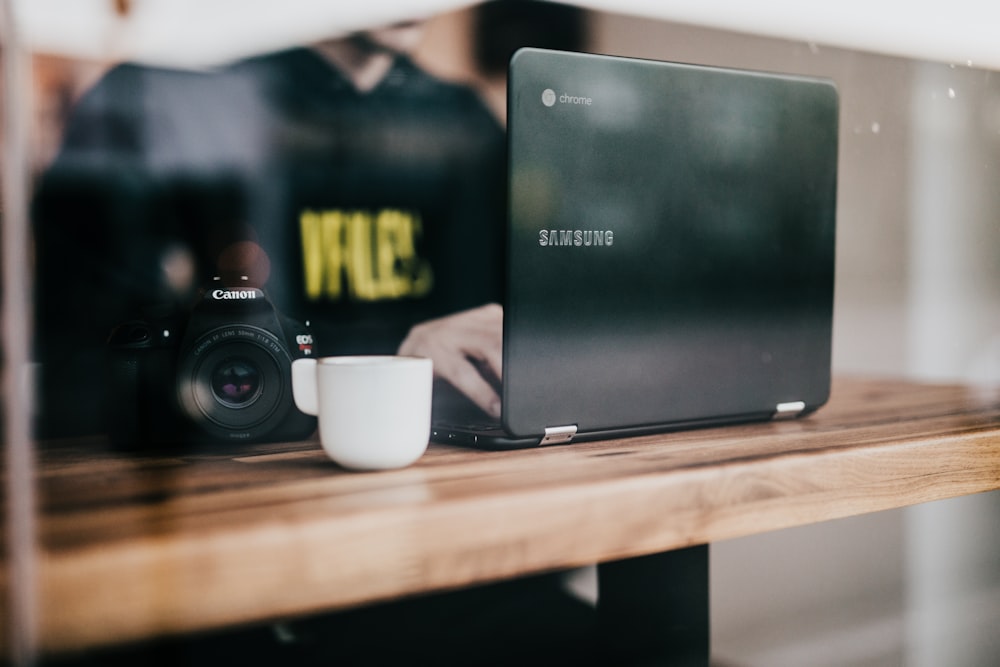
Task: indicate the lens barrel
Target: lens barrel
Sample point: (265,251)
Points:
(235,381)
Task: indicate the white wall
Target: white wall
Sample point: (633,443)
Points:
(953,548)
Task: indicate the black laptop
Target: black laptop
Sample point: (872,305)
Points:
(670,249)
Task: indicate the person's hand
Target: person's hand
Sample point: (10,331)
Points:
(466,348)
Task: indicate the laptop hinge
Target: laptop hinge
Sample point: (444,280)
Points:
(789,410)
(557,435)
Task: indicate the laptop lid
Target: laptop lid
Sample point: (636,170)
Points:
(670,244)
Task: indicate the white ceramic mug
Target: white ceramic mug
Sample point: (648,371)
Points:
(374,411)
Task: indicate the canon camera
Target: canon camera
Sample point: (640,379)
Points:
(222,373)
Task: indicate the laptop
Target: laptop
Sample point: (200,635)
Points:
(670,252)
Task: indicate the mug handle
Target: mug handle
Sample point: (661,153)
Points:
(304,386)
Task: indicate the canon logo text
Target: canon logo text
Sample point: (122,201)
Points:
(242,295)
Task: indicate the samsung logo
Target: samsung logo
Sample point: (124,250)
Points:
(575,237)
(243,295)
(549,98)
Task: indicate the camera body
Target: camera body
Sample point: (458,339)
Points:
(221,373)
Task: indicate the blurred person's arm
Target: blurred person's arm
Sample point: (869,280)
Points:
(108,242)
(82,245)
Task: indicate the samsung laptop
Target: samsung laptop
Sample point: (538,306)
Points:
(670,249)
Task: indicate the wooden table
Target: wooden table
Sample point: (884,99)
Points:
(135,547)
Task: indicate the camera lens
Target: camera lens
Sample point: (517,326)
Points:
(236,382)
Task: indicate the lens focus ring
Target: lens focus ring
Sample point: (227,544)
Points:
(234,381)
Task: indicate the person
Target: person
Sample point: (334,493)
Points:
(365,195)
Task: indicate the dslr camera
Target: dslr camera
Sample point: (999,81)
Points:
(221,373)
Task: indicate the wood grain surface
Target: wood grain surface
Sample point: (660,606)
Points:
(143,545)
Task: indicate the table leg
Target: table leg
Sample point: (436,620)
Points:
(653,610)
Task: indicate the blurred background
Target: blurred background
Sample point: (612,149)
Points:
(917,296)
